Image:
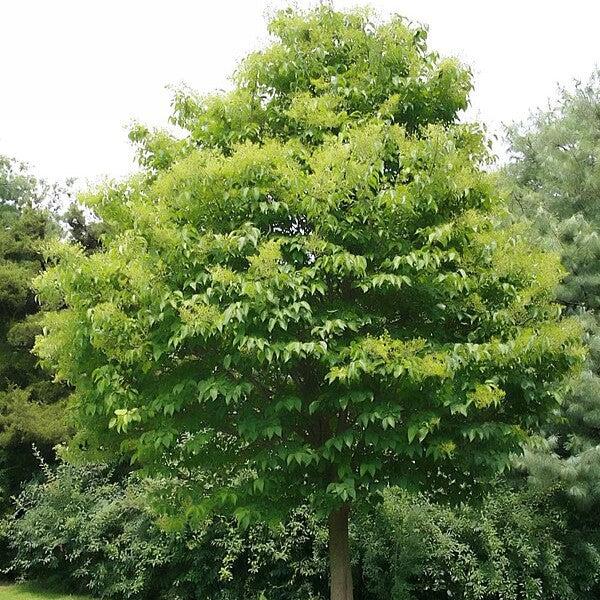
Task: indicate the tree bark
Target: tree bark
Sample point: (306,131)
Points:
(339,555)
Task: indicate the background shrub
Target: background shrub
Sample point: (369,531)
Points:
(515,546)
(91,530)
(94,533)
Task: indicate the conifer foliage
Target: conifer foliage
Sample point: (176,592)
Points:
(31,405)
(306,299)
(556,184)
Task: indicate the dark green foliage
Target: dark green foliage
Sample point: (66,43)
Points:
(31,406)
(93,532)
(515,546)
(83,230)
(70,527)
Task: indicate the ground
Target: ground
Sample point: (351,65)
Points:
(31,592)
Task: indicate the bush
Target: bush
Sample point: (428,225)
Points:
(516,546)
(94,533)
(89,531)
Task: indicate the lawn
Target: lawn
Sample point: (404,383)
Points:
(32,592)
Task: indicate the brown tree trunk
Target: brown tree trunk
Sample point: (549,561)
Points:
(339,555)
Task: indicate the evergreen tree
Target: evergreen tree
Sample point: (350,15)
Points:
(31,405)
(555,179)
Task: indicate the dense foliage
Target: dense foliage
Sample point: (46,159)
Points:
(555,176)
(91,530)
(309,299)
(31,405)
(517,545)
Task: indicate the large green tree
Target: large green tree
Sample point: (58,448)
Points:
(306,299)
(555,178)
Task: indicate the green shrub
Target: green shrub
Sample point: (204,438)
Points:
(88,530)
(94,533)
(515,546)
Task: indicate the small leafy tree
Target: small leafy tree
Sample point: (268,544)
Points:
(306,299)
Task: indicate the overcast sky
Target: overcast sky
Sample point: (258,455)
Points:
(75,73)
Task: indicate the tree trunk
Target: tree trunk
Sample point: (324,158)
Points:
(339,555)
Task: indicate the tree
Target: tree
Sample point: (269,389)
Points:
(31,405)
(307,298)
(555,176)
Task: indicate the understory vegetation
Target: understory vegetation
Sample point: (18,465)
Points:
(90,529)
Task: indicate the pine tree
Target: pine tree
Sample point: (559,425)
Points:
(555,178)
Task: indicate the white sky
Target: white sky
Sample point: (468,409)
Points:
(76,72)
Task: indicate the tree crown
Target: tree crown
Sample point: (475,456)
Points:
(307,297)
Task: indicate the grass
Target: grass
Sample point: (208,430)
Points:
(28,591)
